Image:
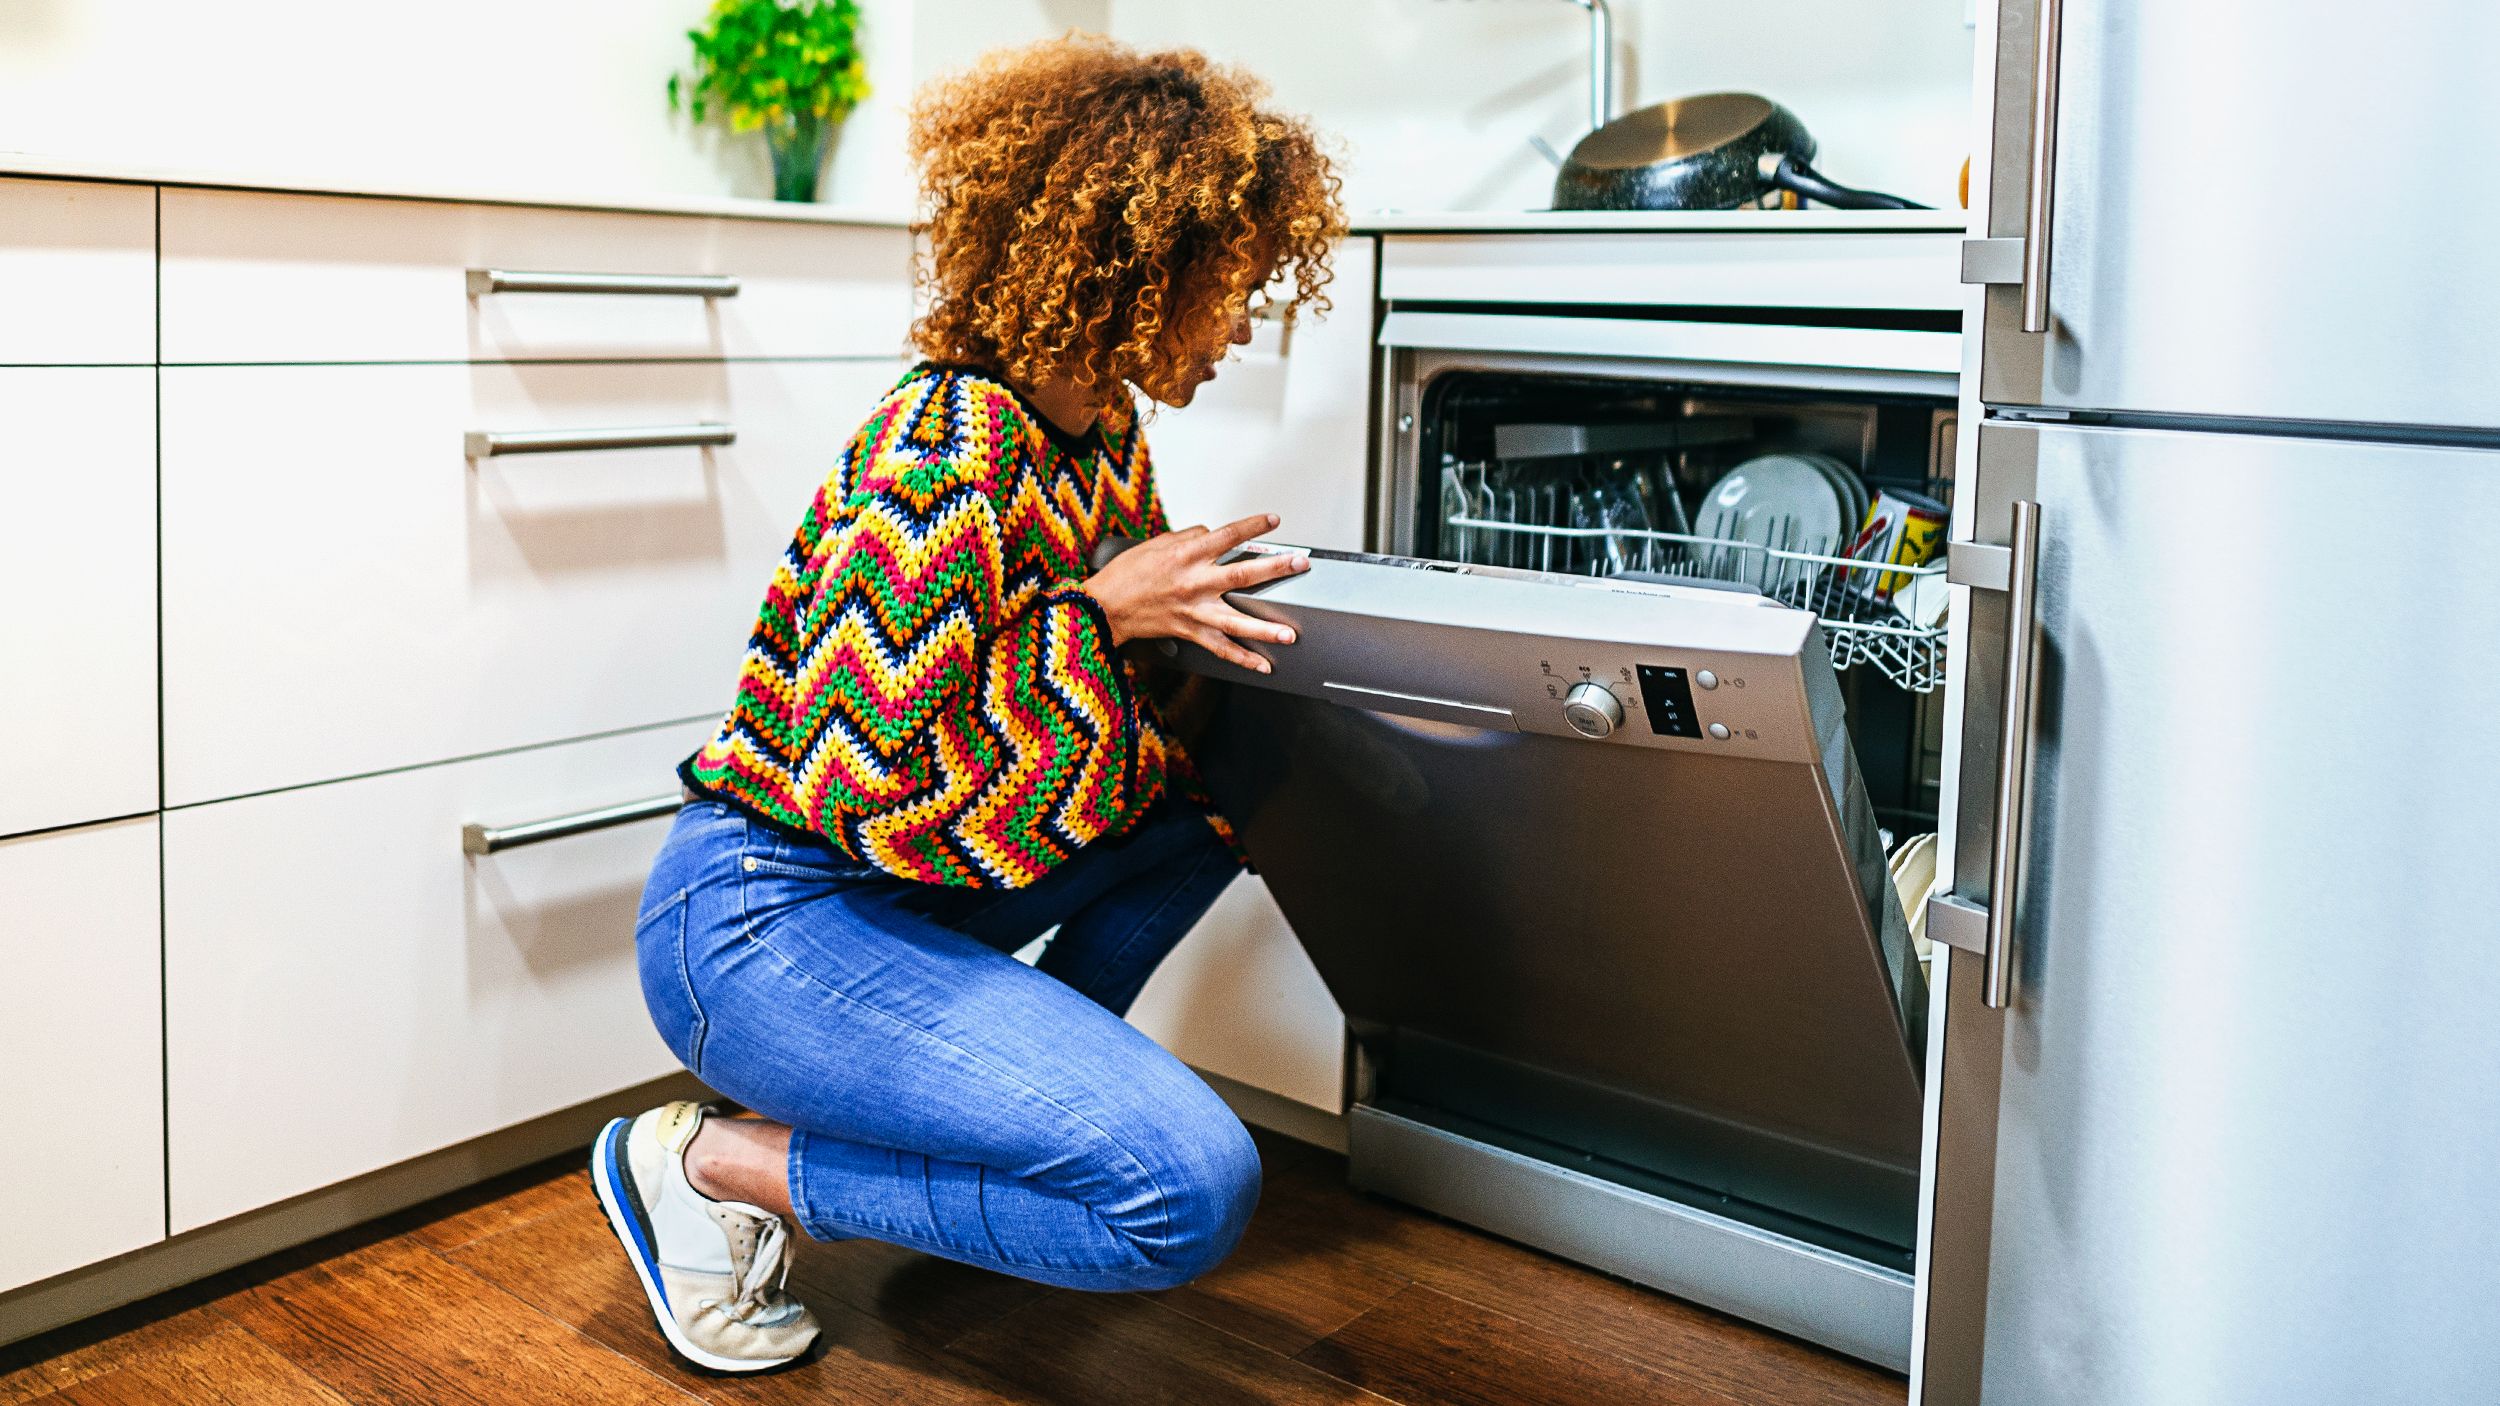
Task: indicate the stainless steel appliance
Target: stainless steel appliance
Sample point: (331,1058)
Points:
(1583,818)
(2220,1083)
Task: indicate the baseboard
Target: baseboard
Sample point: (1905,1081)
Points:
(196,1254)
(1279,1114)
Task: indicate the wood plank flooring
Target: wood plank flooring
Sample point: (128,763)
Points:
(514,1292)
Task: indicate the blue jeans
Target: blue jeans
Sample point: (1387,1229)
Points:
(944,1095)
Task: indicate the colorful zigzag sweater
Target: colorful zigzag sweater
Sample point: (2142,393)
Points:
(926,686)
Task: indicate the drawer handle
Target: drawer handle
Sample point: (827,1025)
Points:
(679,285)
(486,839)
(485,444)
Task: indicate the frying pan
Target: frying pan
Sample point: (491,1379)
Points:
(1714,152)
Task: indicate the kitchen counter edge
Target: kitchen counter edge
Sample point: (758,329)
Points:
(1662,221)
(28,165)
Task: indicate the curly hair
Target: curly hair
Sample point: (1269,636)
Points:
(1104,216)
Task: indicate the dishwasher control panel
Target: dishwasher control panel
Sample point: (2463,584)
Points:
(1520,652)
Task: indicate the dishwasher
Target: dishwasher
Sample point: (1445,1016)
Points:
(1580,794)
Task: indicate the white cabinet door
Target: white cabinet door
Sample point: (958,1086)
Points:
(82,1173)
(1284,428)
(256,277)
(345,591)
(77,595)
(346,988)
(1240,998)
(77,274)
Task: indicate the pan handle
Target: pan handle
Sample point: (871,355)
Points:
(1788,173)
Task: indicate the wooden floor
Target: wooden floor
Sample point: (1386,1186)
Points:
(515,1292)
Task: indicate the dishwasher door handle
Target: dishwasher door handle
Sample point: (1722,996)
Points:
(1951,919)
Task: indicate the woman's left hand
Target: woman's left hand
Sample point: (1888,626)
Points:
(1172,587)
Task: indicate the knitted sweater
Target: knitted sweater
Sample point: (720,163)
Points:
(926,686)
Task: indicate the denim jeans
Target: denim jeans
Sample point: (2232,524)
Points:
(946,1096)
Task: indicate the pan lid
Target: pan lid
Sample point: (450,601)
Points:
(1670,131)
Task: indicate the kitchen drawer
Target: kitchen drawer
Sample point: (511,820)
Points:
(347,988)
(253,277)
(345,591)
(82,1172)
(77,273)
(1909,270)
(77,595)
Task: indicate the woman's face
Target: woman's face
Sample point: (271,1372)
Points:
(1192,347)
(1197,365)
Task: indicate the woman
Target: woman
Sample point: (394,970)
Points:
(936,755)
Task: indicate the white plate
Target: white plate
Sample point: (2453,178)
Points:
(1913,870)
(1923,600)
(1854,497)
(1777,500)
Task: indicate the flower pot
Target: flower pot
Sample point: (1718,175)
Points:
(798,146)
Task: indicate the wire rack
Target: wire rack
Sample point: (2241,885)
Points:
(1853,596)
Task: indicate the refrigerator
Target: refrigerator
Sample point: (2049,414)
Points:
(2214,1088)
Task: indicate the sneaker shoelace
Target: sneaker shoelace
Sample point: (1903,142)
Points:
(759,1285)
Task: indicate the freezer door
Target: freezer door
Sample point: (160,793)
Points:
(2261,208)
(2234,1139)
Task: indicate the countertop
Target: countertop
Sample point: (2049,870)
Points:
(20,163)
(1661,221)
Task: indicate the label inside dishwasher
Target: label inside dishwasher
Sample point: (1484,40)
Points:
(1667,692)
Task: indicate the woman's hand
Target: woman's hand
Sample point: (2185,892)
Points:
(1171,587)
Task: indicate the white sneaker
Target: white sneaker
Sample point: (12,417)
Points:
(712,1270)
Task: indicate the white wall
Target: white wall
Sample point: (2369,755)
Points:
(536,96)
(1436,98)
(948,34)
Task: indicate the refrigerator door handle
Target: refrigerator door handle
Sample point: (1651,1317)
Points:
(1951,919)
(2042,194)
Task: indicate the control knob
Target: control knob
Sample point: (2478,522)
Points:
(1592,710)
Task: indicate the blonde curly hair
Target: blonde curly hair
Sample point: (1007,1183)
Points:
(1103,216)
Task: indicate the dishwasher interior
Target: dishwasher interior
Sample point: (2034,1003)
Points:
(1587,799)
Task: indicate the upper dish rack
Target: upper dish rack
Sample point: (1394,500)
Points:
(1853,596)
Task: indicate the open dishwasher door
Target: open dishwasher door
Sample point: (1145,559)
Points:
(1591,870)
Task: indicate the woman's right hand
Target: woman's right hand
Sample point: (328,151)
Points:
(1172,587)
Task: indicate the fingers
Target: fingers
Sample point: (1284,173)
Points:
(1233,534)
(1249,627)
(1217,643)
(1266,567)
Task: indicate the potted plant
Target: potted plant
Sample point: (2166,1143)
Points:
(790,69)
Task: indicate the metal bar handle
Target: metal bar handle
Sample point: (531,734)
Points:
(682,285)
(485,444)
(487,839)
(2040,202)
(2022,652)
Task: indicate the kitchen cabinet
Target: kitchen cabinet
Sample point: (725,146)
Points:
(80,1048)
(77,273)
(1284,428)
(78,576)
(376,633)
(258,277)
(347,987)
(359,592)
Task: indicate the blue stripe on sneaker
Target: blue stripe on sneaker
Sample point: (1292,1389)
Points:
(622,1191)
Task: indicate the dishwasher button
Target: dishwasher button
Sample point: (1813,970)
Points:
(1706,679)
(1592,710)
(1719,731)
